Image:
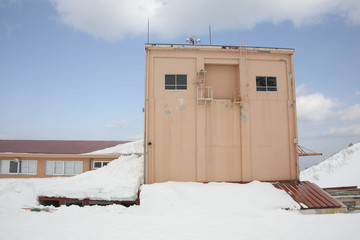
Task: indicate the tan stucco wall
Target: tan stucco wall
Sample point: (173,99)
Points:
(222,140)
(42,158)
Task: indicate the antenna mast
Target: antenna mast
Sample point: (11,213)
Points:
(148,31)
(210,34)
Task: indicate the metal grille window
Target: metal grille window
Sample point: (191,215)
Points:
(63,167)
(175,82)
(266,84)
(99,164)
(17,166)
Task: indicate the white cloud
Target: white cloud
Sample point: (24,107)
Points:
(357,93)
(351,8)
(109,19)
(115,19)
(350,114)
(301,90)
(117,124)
(5,137)
(315,107)
(348,131)
(136,137)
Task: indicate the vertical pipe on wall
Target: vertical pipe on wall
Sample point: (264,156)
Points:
(146,114)
(148,31)
(210,34)
(295,116)
(90,160)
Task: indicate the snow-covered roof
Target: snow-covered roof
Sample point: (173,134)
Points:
(136,147)
(119,180)
(54,146)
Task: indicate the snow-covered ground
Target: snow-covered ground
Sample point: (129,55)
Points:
(171,210)
(341,169)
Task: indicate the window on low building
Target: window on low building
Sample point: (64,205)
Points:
(63,167)
(17,166)
(175,82)
(100,164)
(266,84)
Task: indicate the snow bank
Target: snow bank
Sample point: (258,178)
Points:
(119,180)
(14,193)
(179,198)
(341,169)
(171,210)
(136,147)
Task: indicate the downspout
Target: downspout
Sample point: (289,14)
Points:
(90,160)
(146,107)
(295,116)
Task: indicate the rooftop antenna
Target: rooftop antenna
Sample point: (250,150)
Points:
(148,31)
(210,34)
(193,40)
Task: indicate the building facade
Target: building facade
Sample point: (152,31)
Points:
(29,165)
(220,113)
(52,158)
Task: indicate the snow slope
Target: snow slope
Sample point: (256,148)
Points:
(183,198)
(172,211)
(119,180)
(341,169)
(136,147)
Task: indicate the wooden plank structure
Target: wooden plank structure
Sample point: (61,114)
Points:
(58,201)
(309,196)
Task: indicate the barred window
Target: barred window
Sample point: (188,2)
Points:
(175,82)
(100,164)
(266,84)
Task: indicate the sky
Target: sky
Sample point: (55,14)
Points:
(74,70)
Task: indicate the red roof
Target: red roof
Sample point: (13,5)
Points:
(309,195)
(54,146)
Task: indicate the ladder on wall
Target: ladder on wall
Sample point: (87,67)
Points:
(237,96)
(204,94)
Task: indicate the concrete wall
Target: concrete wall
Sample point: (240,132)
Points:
(221,140)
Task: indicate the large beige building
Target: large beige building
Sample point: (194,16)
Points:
(220,113)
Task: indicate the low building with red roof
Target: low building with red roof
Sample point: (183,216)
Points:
(52,158)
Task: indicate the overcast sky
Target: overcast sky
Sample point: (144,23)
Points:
(75,69)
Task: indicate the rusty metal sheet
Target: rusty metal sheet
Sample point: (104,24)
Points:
(308,195)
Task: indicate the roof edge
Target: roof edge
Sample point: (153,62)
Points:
(189,47)
(62,155)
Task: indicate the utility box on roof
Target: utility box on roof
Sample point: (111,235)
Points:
(219,113)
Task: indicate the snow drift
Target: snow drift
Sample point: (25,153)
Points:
(119,180)
(136,147)
(214,199)
(341,169)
